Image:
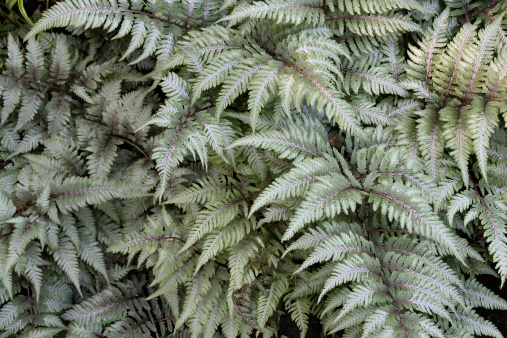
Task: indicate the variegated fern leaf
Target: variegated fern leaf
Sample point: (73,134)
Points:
(198,168)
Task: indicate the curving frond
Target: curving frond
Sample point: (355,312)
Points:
(206,168)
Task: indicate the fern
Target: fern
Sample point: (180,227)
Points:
(203,168)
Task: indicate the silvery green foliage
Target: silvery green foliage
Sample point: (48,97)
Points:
(199,168)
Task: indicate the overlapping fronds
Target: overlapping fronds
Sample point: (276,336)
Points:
(204,168)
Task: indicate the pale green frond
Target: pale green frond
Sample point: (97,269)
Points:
(66,258)
(221,238)
(7,208)
(213,217)
(295,12)
(269,300)
(299,309)
(330,196)
(238,81)
(483,120)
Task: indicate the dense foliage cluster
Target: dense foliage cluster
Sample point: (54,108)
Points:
(197,168)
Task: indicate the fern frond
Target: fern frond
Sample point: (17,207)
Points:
(237,81)
(75,192)
(299,309)
(483,120)
(219,239)
(377,7)
(65,257)
(288,144)
(7,208)
(330,197)
(375,81)
(109,15)
(368,24)
(269,300)
(214,217)
(292,13)
(422,59)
